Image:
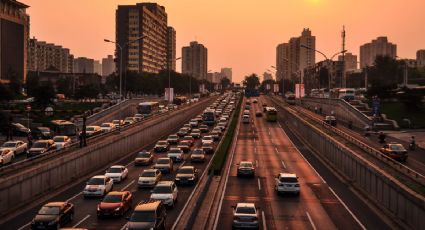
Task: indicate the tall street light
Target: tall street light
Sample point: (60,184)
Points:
(169,78)
(283,82)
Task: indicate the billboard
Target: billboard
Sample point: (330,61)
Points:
(299,90)
(276,88)
(169,94)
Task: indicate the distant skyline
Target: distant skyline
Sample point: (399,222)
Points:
(239,34)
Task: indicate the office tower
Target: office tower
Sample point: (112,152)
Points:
(350,61)
(227,72)
(378,47)
(171,48)
(43,56)
(108,65)
(195,60)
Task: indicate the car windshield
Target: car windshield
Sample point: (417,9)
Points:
(49,210)
(207,145)
(59,139)
(90,128)
(175,151)
(114,170)
(96,181)
(9,144)
(162,143)
(112,199)
(40,145)
(185,171)
(197,151)
(208,138)
(147,174)
(246,164)
(143,216)
(143,155)
(184,143)
(173,137)
(289,179)
(43,129)
(162,189)
(245,210)
(187,138)
(105,125)
(397,147)
(163,161)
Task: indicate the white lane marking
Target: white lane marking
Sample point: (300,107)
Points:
(254,139)
(263,216)
(128,185)
(259,184)
(256,163)
(123,227)
(283,164)
(279,125)
(81,221)
(346,207)
(269,133)
(275,148)
(311,221)
(75,196)
(131,162)
(255,149)
(24,226)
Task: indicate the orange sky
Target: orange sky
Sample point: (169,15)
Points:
(241,34)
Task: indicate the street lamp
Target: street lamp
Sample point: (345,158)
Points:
(283,82)
(169,78)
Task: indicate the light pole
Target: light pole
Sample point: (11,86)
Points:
(169,78)
(283,82)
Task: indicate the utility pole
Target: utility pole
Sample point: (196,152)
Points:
(344,79)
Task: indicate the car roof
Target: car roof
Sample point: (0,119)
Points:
(288,175)
(249,162)
(245,205)
(99,176)
(165,183)
(148,206)
(117,166)
(13,141)
(150,170)
(55,203)
(187,167)
(117,193)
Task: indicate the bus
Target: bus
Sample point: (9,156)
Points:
(208,117)
(179,100)
(346,94)
(63,128)
(271,114)
(148,108)
(290,98)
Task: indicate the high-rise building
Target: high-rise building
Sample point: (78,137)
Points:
(267,76)
(14,35)
(171,48)
(97,67)
(291,57)
(420,58)
(378,47)
(134,21)
(195,60)
(108,65)
(350,61)
(227,72)
(83,65)
(43,56)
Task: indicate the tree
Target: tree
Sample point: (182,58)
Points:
(252,81)
(225,82)
(5,93)
(65,86)
(44,94)
(270,82)
(87,91)
(15,84)
(383,76)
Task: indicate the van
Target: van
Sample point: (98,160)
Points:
(246,119)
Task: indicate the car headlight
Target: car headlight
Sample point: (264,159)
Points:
(117,209)
(192,178)
(52,222)
(177,178)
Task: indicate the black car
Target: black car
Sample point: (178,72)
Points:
(203,128)
(53,215)
(20,130)
(147,215)
(161,146)
(42,133)
(208,148)
(330,120)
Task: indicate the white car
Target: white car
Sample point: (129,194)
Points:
(117,173)
(245,215)
(194,123)
(17,147)
(149,178)
(107,127)
(175,154)
(98,186)
(166,191)
(287,183)
(207,139)
(6,156)
(62,141)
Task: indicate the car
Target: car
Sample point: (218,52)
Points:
(40,147)
(207,139)
(203,128)
(183,132)
(259,114)
(117,173)
(165,164)
(218,129)
(246,119)
(62,142)
(395,151)
(198,155)
(129,120)
(161,146)
(247,107)
(188,126)
(19,130)
(246,112)
(53,215)
(93,130)
(173,139)
(176,154)
(208,148)
(221,126)
(98,185)
(196,133)
(245,215)
(330,120)
(107,127)
(17,147)
(215,134)
(43,133)
(165,191)
(189,139)
(184,146)
(6,156)
(115,204)
(287,183)
(245,168)
(138,117)
(143,157)
(186,175)
(248,102)
(149,178)
(255,101)
(118,123)
(194,123)
(147,215)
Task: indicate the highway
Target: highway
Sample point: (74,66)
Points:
(85,209)
(318,206)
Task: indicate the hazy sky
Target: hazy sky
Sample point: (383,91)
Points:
(242,34)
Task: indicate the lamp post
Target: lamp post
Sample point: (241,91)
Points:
(169,78)
(121,50)
(283,81)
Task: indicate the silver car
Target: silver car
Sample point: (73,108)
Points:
(245,215)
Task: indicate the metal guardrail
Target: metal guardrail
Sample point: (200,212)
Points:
(403,169)
(75,145)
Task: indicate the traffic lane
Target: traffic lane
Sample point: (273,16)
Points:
(357,208)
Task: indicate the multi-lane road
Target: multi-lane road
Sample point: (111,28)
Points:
(317,207)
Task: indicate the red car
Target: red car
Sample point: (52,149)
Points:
(184,146)
(115,204)
(190,139)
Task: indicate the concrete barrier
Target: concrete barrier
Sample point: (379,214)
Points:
(19,189)
(404,206)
